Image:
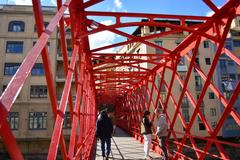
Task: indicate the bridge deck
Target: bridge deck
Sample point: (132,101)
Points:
(125,147)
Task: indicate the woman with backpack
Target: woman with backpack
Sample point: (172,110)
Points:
(147,134)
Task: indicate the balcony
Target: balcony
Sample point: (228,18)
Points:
(60,96)
(60,77)
(182,68)
(185,104)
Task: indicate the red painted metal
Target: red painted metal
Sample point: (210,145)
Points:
(98,79)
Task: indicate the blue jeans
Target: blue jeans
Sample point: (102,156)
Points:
(108,141)
(163,145)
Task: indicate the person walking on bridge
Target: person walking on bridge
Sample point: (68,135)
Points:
(147,134)
(162,131)
(104,131)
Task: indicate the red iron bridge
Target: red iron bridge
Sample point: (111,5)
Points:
(99,79)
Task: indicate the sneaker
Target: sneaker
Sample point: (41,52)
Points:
(148,158)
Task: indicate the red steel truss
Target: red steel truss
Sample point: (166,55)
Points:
(130,91)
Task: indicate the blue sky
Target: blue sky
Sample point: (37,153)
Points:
(192,7)
(183,7)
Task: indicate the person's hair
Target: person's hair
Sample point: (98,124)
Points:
(106,110)
(146,113)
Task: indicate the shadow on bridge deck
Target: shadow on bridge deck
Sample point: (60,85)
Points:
(125,147)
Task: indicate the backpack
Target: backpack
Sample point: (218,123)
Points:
(143,129)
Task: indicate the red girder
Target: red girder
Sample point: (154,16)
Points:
(100,78)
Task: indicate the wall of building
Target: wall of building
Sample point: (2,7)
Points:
(31,140)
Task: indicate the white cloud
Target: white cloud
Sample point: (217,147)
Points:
(103,38)
(118,3)
(29,2)
(20,2)
(54,2)
(209,13)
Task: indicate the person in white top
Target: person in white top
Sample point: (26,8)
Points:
(162,131)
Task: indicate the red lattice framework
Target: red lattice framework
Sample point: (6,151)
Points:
(130,91)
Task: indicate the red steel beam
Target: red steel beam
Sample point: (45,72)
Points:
(142,81)
(52,153)
(77,107)
(63,44)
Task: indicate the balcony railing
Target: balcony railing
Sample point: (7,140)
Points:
(60,77)
(60,96)
(185,104)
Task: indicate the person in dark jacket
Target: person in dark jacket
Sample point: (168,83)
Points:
(104,131)
(147,135)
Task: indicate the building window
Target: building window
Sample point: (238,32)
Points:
(201,126)
(182,61)
(45,25)
(11,68)
(37,120)
(67,121)
(158,80)
(14,47)
(206,44)
(198,83)
(159,43)
(228,45)
(3,88)
(38,92)
(208,61)
(211,95)
(70,52)
(185,101)
(213,111)
(16,26)
(235,33)
(214,124)
(236,43)
(38,70)
(197,61)
(185,114)
(13,119)
(223,65)
(231,63)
